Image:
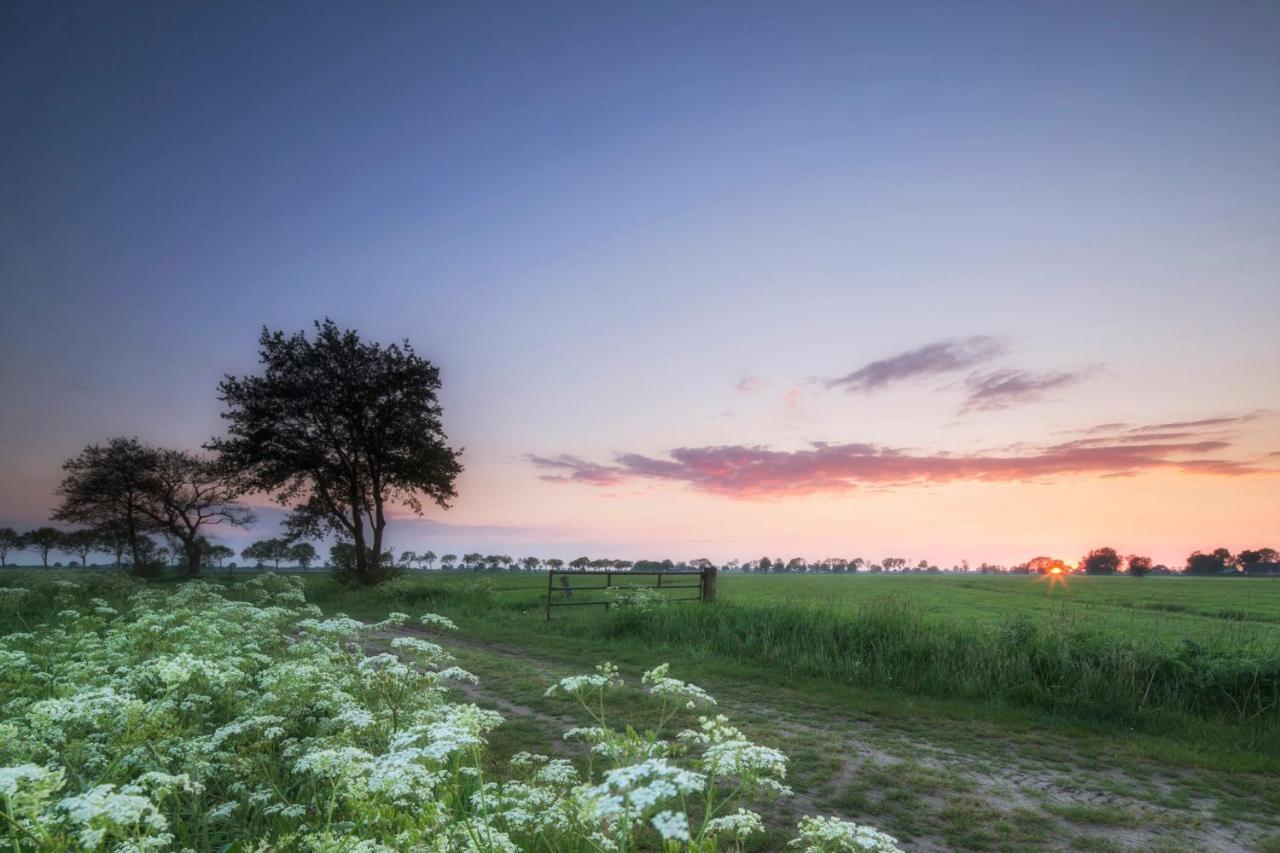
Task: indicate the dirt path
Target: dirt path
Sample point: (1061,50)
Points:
(974,791)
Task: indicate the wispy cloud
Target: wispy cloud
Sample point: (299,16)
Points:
(747,385)
(757,472)
(1218,423)
(931,360)
(567,468)
(1001,389)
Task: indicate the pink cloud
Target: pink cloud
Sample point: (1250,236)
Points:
(756,472)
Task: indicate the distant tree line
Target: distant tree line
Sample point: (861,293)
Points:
(1099,561)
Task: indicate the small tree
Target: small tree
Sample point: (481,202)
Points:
(1101,561)
(115,542)
(43,540)
(448,562)
(107,487)
(257,552)
(1139,566)
(218,554)
(428,559)
(10,540)
(337,427)
(303,554)
(580,563)
(189,493)
(80,543)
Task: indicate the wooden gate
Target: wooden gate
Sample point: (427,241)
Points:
(560,594)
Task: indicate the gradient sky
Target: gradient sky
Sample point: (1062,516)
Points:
(942,281)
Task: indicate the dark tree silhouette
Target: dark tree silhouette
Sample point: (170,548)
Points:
(188,494)
(303,554)
(1252,556)
(81,543)
(107,486)
(337,428)
(1208,564)
(1139,566)
(218,554)
(10,540)
(1101,561)
(43,540)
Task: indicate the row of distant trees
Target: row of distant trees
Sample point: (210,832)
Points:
(1099,561)
(84,543)
(1219,561)
(283,551)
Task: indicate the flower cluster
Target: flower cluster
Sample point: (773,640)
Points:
(140,718)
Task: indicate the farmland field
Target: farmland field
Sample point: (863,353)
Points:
(983,712)
(1237,611)
(970,713)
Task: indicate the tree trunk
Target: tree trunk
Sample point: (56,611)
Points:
(376,572)
(192,547)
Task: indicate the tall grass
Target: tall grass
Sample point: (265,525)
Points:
(1072,662)
(1053,664)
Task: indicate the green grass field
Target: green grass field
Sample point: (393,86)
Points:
(1232,612)
(1151,654)
(984,712)
(972,713)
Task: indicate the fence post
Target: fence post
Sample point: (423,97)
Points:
(549,574)
(709,582)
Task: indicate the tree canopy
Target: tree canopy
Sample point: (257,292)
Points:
(125,489)
(337,428)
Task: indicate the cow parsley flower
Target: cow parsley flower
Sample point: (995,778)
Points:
(820,834)
(434,620)
(672,826)
(660,684)
(605,676)
(739,825)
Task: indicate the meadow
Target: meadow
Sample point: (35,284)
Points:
(992,712)
(971,713)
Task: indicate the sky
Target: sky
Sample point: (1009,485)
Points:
(942,281)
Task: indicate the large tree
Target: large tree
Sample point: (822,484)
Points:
(338,428)
(107,486)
